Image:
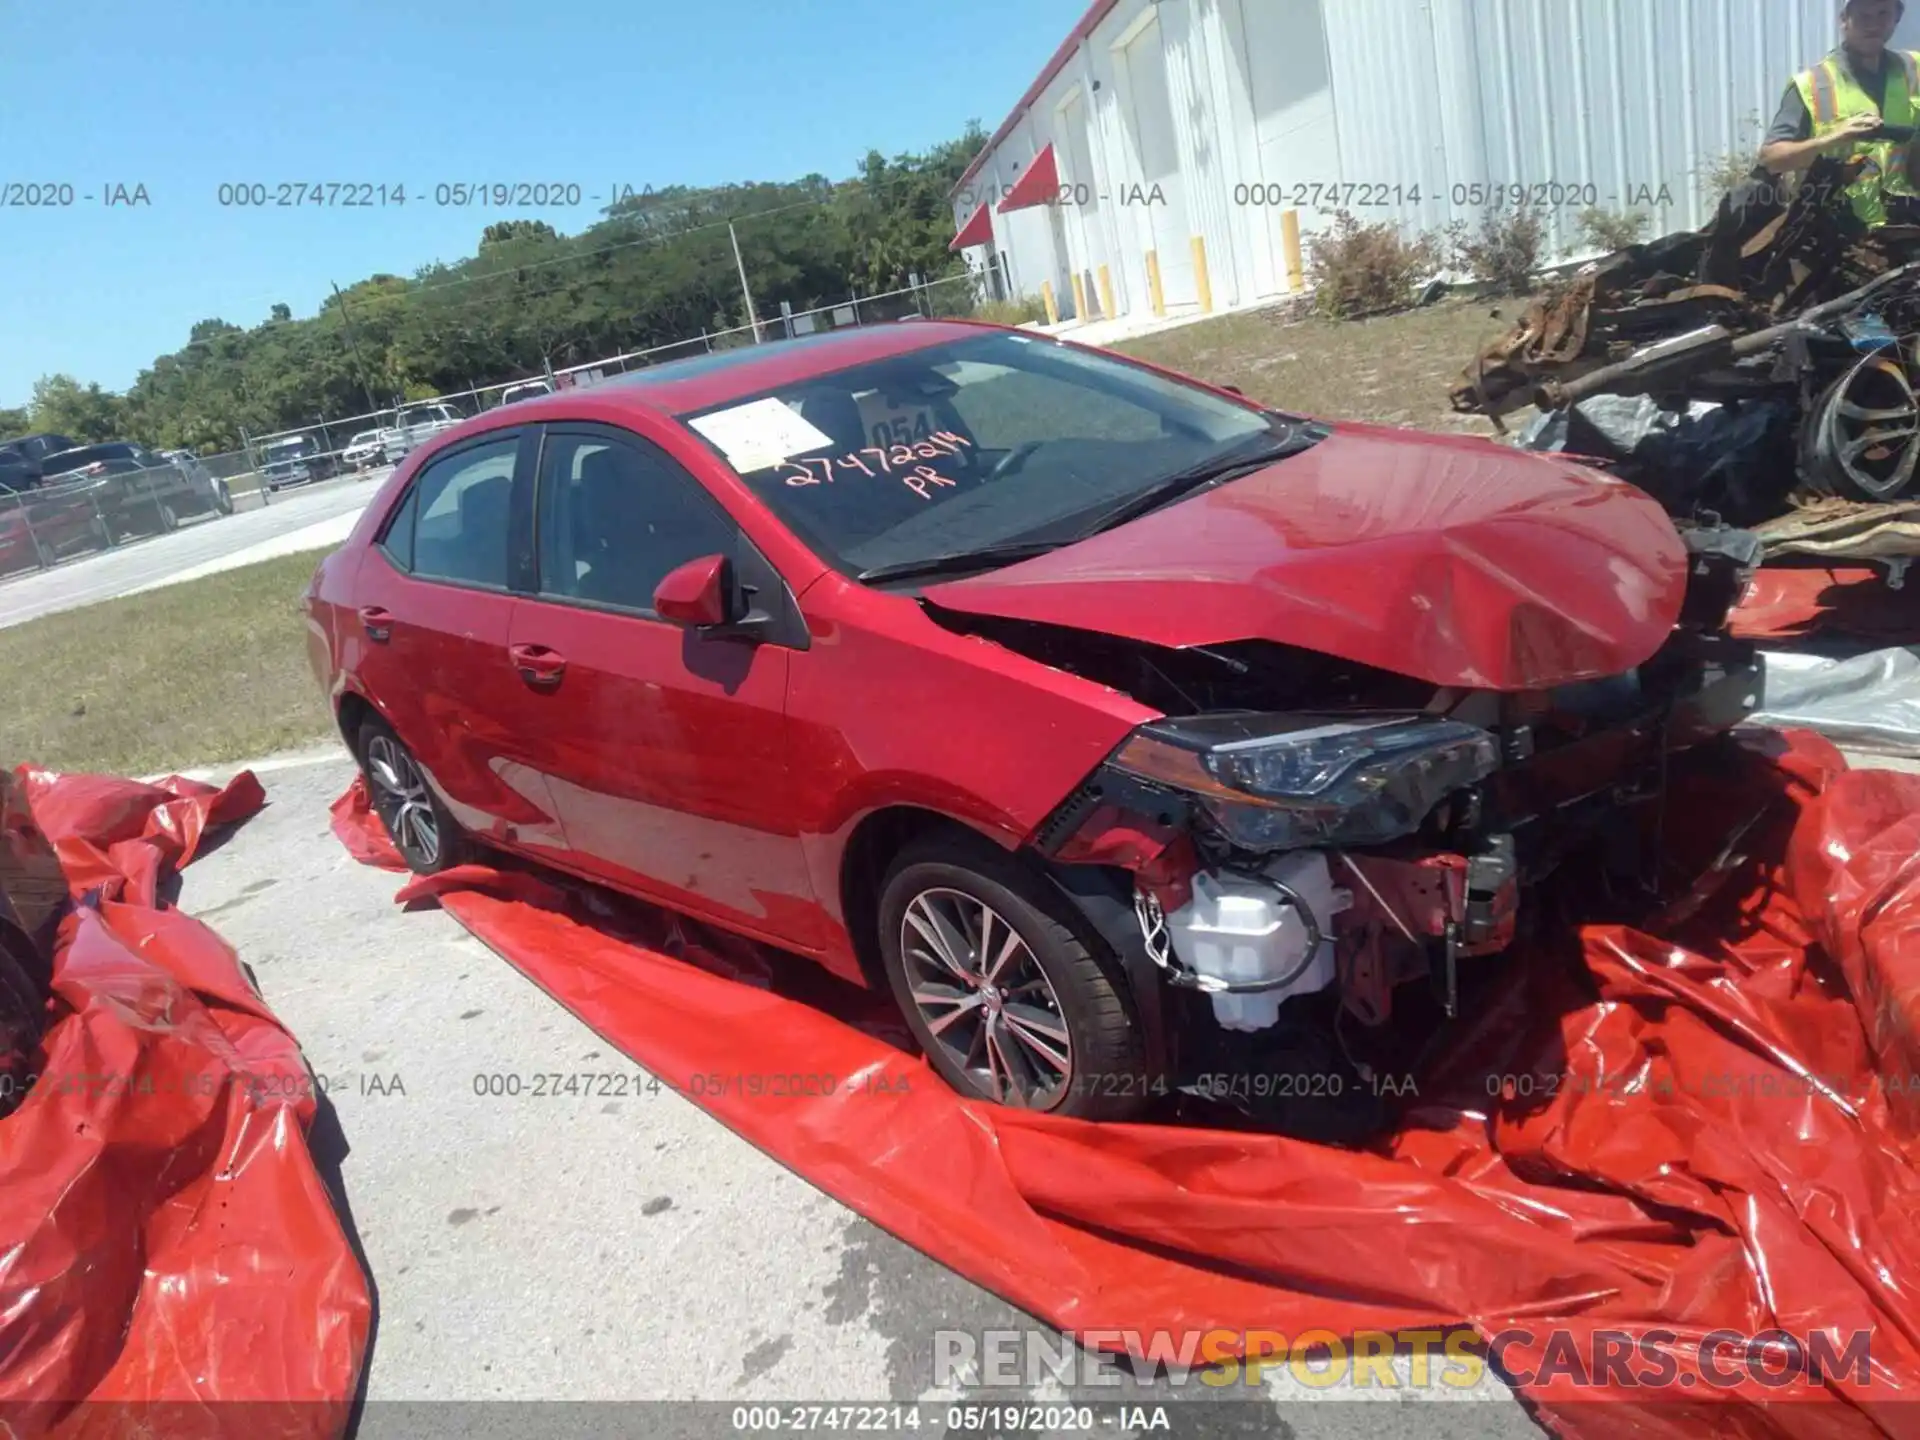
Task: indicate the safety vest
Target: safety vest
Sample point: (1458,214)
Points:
(1833,96)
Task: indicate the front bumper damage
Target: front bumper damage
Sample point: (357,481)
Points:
(1310,890)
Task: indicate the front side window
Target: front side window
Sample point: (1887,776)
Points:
(615,517)
(975,445)
(460,514)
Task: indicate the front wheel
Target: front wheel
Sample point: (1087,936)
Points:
(427,837)
(1006,997)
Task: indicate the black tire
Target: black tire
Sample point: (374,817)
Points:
(1082,998)
(222,498)
(427,837)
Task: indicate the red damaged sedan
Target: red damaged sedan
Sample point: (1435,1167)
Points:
(1122,728)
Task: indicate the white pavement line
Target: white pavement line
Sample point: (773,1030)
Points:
(329,532)
(266,765)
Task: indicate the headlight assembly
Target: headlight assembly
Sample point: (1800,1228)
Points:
(1284,782)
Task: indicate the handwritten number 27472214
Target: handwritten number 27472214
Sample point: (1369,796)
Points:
(905,463)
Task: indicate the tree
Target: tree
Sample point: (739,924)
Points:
(87,413)
(655,271)
(503,231)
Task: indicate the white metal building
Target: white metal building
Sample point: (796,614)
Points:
(1167,142)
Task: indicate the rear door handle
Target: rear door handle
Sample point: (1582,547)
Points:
(378,623)
(538,666)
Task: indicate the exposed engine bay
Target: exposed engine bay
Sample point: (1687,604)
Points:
(1317,849)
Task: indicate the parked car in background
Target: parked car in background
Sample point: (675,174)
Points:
(133,489)
(32,449)
(41,525)
(43,522)
(202,477)
(413,427)
(525,390)
(363,452)
(1127,732)
(294,460)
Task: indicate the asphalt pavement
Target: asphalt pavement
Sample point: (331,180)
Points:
(608,1250)
(306,518)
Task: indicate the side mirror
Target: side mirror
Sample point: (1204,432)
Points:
(697,594)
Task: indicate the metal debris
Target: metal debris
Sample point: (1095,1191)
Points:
(1789,325)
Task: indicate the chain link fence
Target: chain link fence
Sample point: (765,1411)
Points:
(61,518)
(329,447)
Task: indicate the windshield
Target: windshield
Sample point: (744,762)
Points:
(973,445)
(365,437)
(288,449)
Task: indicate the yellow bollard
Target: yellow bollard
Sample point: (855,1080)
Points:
(1046,298)
(1202,279)
(1290,242)
(1079,298)
(1106,292)
(1154,292)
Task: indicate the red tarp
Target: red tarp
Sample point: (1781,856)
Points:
(1039,186)
(1657,1135)
(977,231)
(168,1253)
(1787,602)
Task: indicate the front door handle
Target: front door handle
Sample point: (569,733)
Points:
(538,666)
(378,623)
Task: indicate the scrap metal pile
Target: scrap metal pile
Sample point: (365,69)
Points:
(1765,369)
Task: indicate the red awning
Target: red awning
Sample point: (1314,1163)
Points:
(1039,186)
(977,231)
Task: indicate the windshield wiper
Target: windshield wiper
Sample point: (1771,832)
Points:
(960,561)
(1209,473)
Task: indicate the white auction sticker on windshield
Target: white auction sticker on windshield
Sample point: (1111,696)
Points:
(756,436)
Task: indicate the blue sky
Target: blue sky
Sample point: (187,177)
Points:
(183,95)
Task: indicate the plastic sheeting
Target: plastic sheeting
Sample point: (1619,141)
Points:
(1734,459)
(170,1261)
(1865,702)
(1651,1134)
(1788,602)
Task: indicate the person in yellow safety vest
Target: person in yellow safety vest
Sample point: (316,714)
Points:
(1839,106)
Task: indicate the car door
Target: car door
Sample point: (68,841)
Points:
(666,748)
(435,599)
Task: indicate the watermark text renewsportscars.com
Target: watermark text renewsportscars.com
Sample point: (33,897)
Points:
(1455,1358)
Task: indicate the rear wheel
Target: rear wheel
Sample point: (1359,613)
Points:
(1007,999)
(427,837)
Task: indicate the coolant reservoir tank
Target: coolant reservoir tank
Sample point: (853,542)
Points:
(1244,930)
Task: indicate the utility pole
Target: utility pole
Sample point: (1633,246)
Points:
(752,319)
(360,369)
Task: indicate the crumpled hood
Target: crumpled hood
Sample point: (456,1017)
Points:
(1446,558)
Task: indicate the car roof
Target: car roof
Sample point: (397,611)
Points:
(681,387)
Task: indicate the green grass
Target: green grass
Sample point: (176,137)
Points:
(191,674)
(1394,370)
(216,669)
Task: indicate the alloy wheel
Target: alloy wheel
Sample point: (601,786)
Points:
(401,800)
(984,998)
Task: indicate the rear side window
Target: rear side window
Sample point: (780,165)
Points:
(615,517)
(459,515)
(398,541)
